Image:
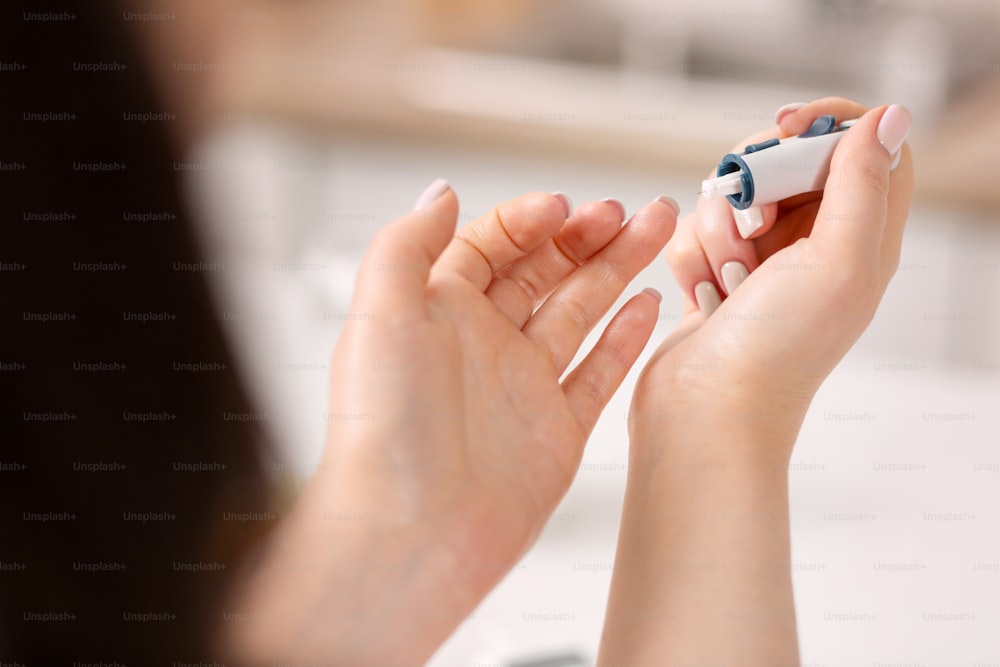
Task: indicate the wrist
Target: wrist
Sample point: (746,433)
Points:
(694,426)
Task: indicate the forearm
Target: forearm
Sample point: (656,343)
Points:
(702,574)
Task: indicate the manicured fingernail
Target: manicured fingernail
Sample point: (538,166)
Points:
(620,206)
(894,127)
(748,220)
(785,110)
(671,202)
(567,202)
(653,293)
(432,193)
(733,275)
(707,297)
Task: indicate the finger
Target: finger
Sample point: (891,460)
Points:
(852,215)
(798,120)
(518,289)
(690,267)
(901,183)
(755,222)
(396,267)
(593,382)
(901,178)
(563,321)
(730,256)
(503,236)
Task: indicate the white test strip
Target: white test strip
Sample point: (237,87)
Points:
(720,186)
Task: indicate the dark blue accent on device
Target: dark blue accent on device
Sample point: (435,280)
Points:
(822,125)
(730,163)
(753,148)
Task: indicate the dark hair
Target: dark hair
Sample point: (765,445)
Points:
(115,545)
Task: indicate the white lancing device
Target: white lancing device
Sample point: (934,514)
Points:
(773,170)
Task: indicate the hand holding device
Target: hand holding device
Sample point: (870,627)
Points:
(775,169)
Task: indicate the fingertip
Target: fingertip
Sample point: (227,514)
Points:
(664,204)
(798,120)
(706,295)
(786,110)
(658,221)
(733,274)
(531,219)
(618,206)
(643,310)
(433,218)
(893,128)
(432,193)
(671,202)
(863,147)
(438,199)
(548,208)
(748,221)
(638,316)
(565,201)
(753,222)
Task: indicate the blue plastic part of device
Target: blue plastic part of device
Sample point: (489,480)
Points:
(822,125)
(730,163)
(753,148)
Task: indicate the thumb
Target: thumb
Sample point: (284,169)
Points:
(395,269)
(852,217)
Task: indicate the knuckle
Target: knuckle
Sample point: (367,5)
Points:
(596,386)
(528,283)
(577,312)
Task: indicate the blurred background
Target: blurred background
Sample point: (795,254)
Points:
(325,119)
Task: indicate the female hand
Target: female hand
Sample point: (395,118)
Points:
(703,567)
(451,436)
(818,265)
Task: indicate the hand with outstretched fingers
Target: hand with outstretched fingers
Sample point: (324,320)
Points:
(456,424)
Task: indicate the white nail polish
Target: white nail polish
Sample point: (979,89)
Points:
(748,220)
(707,297)
(431,194)
(785,110)
(733,275)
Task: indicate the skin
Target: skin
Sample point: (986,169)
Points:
(702,573)
(452,438)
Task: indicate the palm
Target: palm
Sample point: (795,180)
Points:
(522,441)
(767,296)
(473,436)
